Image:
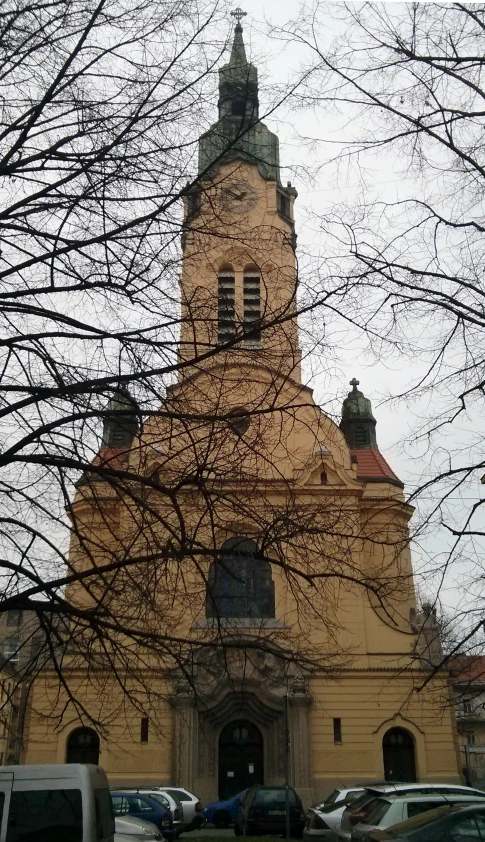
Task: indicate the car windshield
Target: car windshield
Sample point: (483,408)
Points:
(274,796)
(376,811)
(182,796)
(160,799)
(330,808)
(332,797)
(417,821)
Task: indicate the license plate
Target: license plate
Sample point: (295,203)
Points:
(276,812)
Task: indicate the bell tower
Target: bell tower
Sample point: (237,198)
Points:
(239,278)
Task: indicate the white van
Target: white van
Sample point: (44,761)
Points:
(67,802)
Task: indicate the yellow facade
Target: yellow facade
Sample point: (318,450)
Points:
(339,651)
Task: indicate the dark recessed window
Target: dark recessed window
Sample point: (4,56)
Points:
(252,310)
(283,203)
(240,582)
(14,617)
(337,730)
(360,436)
(238,107)
(226,322)
(239,421)
(144,729)
(323,478)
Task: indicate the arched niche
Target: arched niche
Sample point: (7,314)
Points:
(82,746)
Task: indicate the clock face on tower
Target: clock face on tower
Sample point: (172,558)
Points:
(238,197)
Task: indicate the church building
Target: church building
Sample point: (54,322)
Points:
(275,540)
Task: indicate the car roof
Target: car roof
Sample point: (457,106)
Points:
(438,796)
(388,789)
(130,792)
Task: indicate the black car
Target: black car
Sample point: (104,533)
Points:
(450,823)
(263,810)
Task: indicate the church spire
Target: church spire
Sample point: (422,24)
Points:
(238,132)
(238,81)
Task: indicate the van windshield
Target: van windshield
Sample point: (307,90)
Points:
(49,815)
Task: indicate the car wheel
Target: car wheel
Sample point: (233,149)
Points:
(221,819)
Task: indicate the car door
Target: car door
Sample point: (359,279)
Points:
(6,781)
(140,808)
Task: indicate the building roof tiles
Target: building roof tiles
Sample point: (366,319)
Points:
(372,467)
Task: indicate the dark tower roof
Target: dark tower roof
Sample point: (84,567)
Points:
(359,428)
(358,423)
(238,132)
(120,423)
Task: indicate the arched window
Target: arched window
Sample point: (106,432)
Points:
(83,746)
(252,307)
(240,583)
(226,302)
(360,437)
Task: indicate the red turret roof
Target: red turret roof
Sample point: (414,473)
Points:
(372,467)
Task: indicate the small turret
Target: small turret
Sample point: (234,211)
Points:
(120,423)
(358,423)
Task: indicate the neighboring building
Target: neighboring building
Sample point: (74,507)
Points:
(468,677)
(21,641)
(9,712)
(284,487)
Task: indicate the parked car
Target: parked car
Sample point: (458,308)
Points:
(193,812)
(323,822)
(170,802)
(356,810)
(52,802)
(394,809)
(449,823)
(341,795)
(223,813)
(145,807)
(263,810)
(136,830)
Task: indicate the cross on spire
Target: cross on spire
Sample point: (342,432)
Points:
(354,383)
(239,14)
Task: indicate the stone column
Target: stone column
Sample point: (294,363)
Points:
(184,741)
(300,749)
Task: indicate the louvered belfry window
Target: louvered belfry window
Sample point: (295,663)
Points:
(226,322)
(252,308)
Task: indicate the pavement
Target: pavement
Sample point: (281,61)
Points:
(210,831)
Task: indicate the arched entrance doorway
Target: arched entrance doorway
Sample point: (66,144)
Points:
(398,751)
(83,746)
(240,757)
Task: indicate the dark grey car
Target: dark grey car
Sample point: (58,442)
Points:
(263,810)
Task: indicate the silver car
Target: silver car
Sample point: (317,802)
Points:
(172,803)
(338,796)
(137,830)
(356,811)
(386,812)
(193,815)
(323,822)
